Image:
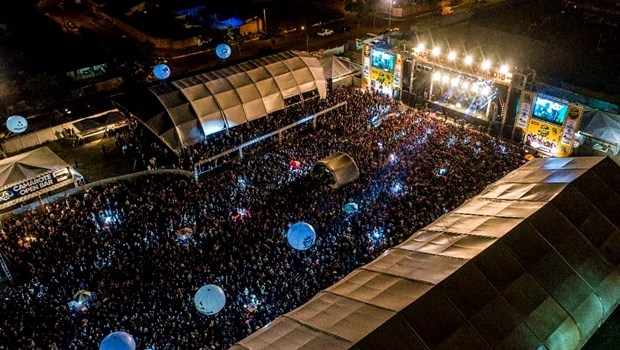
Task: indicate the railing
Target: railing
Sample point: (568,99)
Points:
(204,166)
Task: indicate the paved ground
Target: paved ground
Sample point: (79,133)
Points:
(91,161)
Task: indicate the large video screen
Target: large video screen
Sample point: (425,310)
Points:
(382,60)
(550,111)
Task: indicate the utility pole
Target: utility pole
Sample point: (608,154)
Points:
(265,20)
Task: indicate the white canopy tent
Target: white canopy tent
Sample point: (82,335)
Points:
(207,103)
(30,174)
(602,125)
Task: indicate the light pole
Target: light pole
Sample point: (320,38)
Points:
(307,44)
(265,20)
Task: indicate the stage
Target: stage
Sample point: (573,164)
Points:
(452,111)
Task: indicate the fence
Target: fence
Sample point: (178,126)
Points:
(211,163)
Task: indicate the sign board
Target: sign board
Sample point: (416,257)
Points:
(28,187)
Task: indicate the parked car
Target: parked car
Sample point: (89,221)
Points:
(345,29)
(289,30)
(325,32)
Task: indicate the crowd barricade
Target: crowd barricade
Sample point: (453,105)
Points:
(206,165)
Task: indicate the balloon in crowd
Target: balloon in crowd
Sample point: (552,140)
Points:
(210,299)
(301,236)
(118,341)
(161,71)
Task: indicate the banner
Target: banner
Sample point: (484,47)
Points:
(29,187)
(543,136)
(575,113)
(398,68)
(527,98)
(366,66)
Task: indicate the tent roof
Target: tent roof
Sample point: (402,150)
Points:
(531,262)
(27,165)
(335,67)
(602,125)
(203,104)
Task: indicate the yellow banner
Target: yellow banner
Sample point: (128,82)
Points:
(571,126)
(380,77)
(543,136)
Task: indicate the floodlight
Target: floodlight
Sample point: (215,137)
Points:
(486,64)
(468,60)
(436,51)
(452,56)
(437,76)
(503,69)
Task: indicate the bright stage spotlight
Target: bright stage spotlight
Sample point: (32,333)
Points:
(437,76)
(420,47)
(485,91)
(445,78)
(455,81)
(486,64)
(468,60)
(452,56)
(436,51)
(465,85)
(503,69)
(474,88)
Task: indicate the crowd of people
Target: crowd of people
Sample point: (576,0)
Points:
(120,241)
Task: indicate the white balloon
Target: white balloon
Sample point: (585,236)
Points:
(210,299)
(16,124)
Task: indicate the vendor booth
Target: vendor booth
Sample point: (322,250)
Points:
(33,174)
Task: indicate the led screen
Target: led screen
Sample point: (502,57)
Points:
(382,60)
(550,111)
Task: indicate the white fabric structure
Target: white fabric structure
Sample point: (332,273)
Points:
(602,125)
(28,165)
(204,104)
(337,67)
(530,263)
(341,167)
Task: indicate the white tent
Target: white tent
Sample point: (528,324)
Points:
(207,103)
(602,125)
(30,174)
(337,67)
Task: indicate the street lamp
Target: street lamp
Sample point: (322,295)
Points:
(307,44)
(390,18)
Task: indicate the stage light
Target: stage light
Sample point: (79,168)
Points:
(486,64)
(420,47)
(445,78)
(437,76)
(455,81)
(452,56)
(436,51)
(458,105)
(474,88)
(465,85)
(485,91)
(468,60)
(503,69)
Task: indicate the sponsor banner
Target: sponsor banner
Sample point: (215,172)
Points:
(379,77)
(398,68)
(527,98)
(366,72)
(34,185)
(571,126)
(543,136)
